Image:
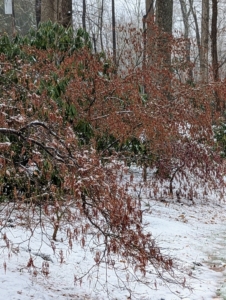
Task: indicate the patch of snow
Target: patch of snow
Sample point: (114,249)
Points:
(32,266)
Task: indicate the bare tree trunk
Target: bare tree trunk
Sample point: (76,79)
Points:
(214,40)
(94,43)
(65,12)
(114,33)
(38,11)
(204,41)
(149,17)
(84,14)
(148,38)
(196,27)
(59,11)
(214,54)
(13,19)
(186,14)
(101,25)
(47,11)
(164,17)
(148,26)
(164,21)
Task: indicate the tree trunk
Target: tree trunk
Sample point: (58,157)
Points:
(149,17)
(214,54)
(59,11)
(64,12)
(214,40)
(114,33)
(38,11)
(149,43)
(149,34)
(47,10)
(204,41)
(13,19)
(101,25)
(84,14)
(196,27)
(164,17)
(186,14)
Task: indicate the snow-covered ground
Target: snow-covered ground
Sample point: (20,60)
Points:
(194,235)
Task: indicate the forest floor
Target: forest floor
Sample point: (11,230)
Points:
(194,235)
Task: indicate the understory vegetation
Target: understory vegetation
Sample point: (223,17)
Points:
(71,122)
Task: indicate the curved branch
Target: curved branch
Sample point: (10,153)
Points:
(56,154)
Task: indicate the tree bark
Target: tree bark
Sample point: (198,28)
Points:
(149,17)
(13,19)
(84,15)
(186,14)
(204,41)
(164,17)
(38,11)
(47,11)
(59,11)
(198,39)
(114,33)
(214,40)
(149,34)
(101,25)
(64,12)
(214,54)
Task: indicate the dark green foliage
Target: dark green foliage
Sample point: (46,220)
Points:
(56,179)
(52,36)
(82,39)
(137,151)
(135,146)
(10,47)
(21,186)
(56,37)
(84,132)
(55,87)
(220,136)
(132,150)
(107,143)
